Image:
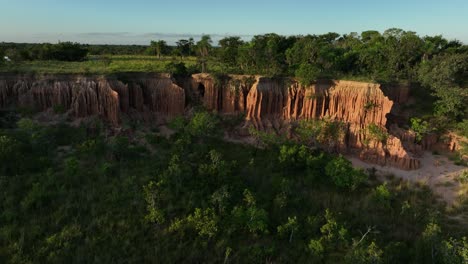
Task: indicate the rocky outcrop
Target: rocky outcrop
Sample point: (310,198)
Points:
(226,94)
(95,96)
(271,104)
(274,104)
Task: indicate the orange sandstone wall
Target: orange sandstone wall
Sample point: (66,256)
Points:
(95,96)
(272,104)
(268,104)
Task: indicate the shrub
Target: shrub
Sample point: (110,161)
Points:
(382,195)
(343,175)
(462,128)
(463,178)
(420,127)
(202,123)
(178,69)
(377,133)
(68,51)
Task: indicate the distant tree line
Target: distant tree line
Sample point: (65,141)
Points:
(63,51)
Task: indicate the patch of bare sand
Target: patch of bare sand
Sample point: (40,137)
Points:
(437,172)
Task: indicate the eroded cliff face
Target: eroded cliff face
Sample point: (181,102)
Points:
(224,95)
(274,104)
(107,98)
(268,104)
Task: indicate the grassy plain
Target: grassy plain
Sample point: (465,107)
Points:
(98,65)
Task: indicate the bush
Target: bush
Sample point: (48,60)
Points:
(343,175)
(178,69)
(68,51)
(382,195)
(377,133)
(293,157)
(462,128)
(202,124)
(420,127)
(463,178)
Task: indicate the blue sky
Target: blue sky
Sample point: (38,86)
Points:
(138,21)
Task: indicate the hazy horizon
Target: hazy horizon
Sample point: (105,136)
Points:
(139,21)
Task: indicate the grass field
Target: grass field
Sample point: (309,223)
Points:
(97,65)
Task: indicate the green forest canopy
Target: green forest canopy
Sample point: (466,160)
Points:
(76,195)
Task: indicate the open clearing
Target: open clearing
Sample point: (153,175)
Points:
(437,172)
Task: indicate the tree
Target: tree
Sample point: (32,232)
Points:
(433,46)
(420,127)
(160,47)
(404,49)
(361,254)
(307,73)
(249,216)
(265,54)
(289,228)
(382,196)
(177,69)
(228,52)
(202,124)
(454,250)
(431,239)
(69,51)
(343,175)
(445,75)
(333,232)
(369,35)
(372,58)
(203,50)
(204,221)
(183,47)
(316,248)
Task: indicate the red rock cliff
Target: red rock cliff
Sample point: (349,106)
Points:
(95,96)
(268,104)
(273,104)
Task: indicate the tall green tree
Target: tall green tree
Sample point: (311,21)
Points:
(184,47)
(204,47)
(228,52)
(446,75)
(160,47)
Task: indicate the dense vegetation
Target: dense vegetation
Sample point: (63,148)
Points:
(63,51)
(86,195)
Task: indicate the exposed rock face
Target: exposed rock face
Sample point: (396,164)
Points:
(224,95)
(272,104)
(268,104)
(95,96)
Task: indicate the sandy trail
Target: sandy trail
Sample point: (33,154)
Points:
(437,171)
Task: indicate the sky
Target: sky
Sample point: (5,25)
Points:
(139,21)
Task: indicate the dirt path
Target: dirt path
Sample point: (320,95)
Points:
(438,172)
